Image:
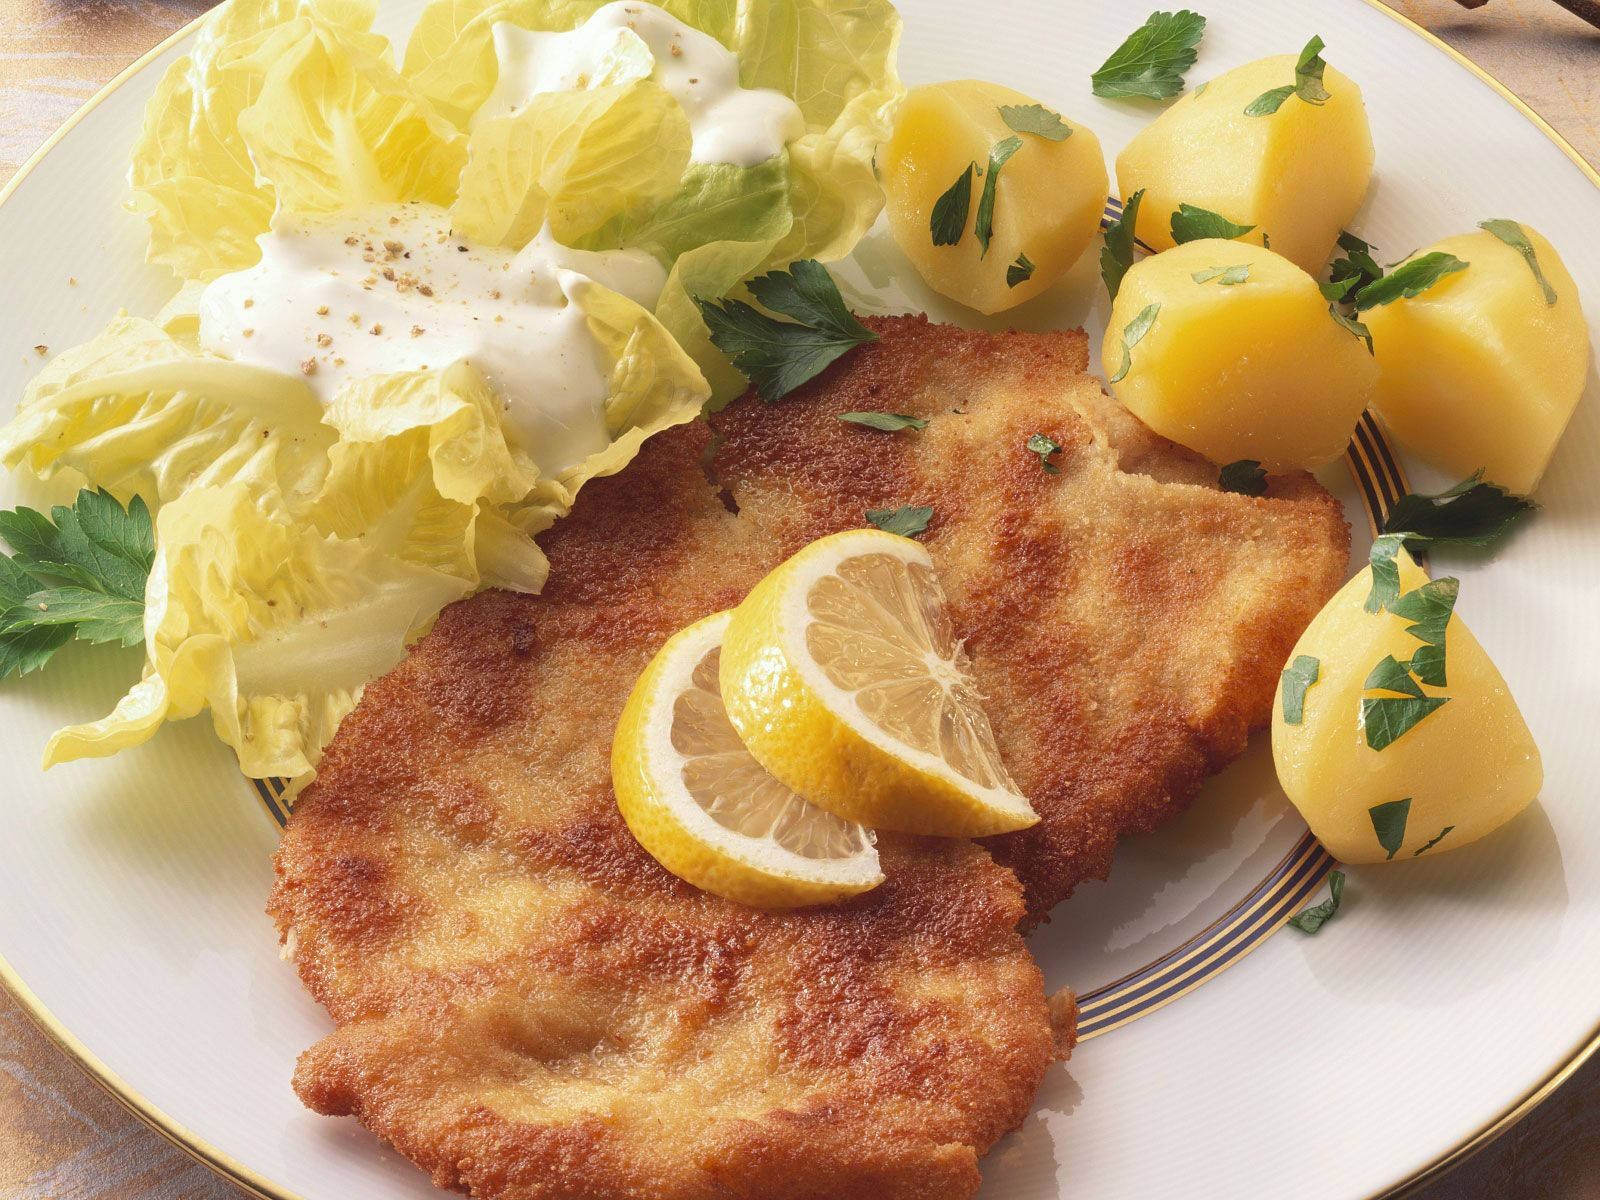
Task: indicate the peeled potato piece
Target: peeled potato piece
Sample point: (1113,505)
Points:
(1297,175)
(1480,371)
(1462,771)
(1256,368)
(1049,195)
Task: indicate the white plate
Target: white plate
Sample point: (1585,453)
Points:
(1448,992)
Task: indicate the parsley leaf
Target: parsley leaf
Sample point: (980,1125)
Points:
(1389,823)
(1245,477)
(1391,675)
(1297,679)
(949,219)
(1036,119)
(778,356)
(1428,608)
(1318,915)
(1386,718)
(1019,272)
(1516,237)
(1225,276)
(1116,256)
(888,422)
(1132,334)
(78,573)
(907,522)
(1473,513)
(1190,224)
(1432,842)
(1269,102)
(1044,446)
(1353,324)
(983,227)
(1151,62)
(1385,572)
(1408,280)
(1353,271)
(1307,83)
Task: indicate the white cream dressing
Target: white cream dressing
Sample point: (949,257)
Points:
(729,123)
(345,297)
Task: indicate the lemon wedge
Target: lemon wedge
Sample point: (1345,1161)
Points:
(705,810)
(843,676)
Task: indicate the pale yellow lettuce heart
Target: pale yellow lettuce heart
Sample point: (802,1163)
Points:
(270,624)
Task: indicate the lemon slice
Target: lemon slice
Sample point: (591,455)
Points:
(844,678)
(705,810)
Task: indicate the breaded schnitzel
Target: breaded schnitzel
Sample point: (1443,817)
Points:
(529,1007)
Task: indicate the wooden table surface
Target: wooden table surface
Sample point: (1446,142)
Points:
(62,1138)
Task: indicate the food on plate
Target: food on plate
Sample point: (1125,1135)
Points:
(709,812)
(1231,350)
(1151,61)
(990,194)
(419,310)
(1483,368)
(1279,147)
(844,678)
(1393,732)
(528,1005)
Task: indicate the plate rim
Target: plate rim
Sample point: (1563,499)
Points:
(258,1185)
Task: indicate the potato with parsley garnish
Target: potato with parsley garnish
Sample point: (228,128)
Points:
(1279,147)
(1232,351)
(991,195)
(1392,731)
(1483,367)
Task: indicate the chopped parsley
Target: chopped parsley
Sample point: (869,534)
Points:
(1385,572)
(949,219)
(983,227)
(1019,272)
(1353,270)
(1245,477)
(1408,280)
(1132,334)
(1037,120)
(1116,256)
(888,422)
(778,356)
(907,522)
(1432,842)
(1318,915)
(1296,680)
(1225,276)
(1151,62)
(78,573)
(1473,513)
(1389,823)
(1516,237)
(1044,446)
(1190,224)
(1307,83)
(1354,324)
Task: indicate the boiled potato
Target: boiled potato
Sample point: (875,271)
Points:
(1253,369)
(1479,371)
(1466,768)
(1297,175)
(1049,195)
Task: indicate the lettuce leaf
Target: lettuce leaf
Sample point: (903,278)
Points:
(138,411)
(280,102)
(270,624)
(574,160)
(712,225)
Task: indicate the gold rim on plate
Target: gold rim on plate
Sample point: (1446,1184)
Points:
(236,1172)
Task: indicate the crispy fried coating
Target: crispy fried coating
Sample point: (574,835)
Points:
(529,1007)
(1126,618)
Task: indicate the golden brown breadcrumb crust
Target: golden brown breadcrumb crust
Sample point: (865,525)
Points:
(529,1007)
